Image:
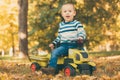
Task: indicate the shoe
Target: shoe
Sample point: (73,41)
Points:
(49,70)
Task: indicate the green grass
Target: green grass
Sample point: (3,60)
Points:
(104,54)
(8,58)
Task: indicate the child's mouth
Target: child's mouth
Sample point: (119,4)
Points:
(67,16)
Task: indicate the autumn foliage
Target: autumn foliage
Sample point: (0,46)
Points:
(108,68)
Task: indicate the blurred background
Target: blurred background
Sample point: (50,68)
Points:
(100,18)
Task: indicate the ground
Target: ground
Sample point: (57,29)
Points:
(108,68)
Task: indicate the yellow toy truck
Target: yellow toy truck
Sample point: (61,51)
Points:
(77,62)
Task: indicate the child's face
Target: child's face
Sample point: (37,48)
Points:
(68,12)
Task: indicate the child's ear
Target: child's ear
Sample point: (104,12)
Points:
(74,13)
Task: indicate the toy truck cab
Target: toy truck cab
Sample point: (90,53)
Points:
(78,62)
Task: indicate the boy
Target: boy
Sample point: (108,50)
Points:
(70,32)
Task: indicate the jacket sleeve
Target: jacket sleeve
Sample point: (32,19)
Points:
(80,31)
(57,40)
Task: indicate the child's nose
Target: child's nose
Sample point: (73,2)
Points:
(67,12)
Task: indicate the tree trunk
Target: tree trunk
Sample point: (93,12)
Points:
(23,34)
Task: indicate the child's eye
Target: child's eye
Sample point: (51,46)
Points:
(70,11)
(65,11)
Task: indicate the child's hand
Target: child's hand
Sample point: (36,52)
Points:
(80,40)
(51,46)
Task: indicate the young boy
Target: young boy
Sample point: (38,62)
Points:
(70,32)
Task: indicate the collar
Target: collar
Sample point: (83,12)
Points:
(68,22)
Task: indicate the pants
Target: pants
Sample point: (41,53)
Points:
(62,50)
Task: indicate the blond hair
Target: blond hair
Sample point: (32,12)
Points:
(68,4)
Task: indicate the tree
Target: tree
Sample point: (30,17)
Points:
(100,18)
(8,25)
(23,34)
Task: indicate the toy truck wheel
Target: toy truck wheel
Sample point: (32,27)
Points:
(93,68)
(69,71)
(34,66)
(86,69)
